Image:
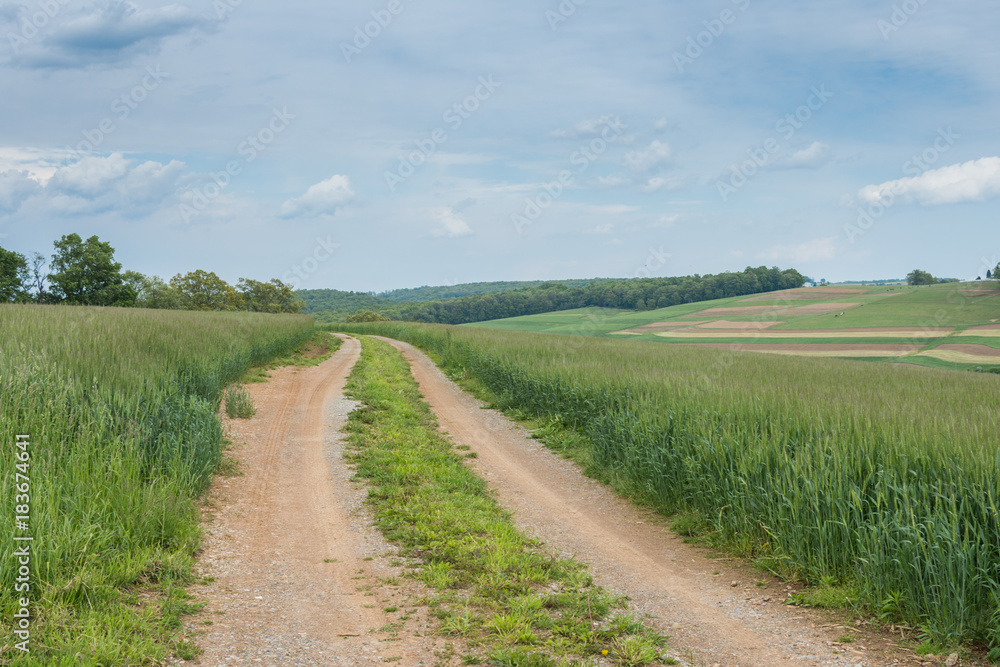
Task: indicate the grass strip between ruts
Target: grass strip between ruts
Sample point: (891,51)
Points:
(501,592)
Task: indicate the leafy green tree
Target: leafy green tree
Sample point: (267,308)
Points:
(918,277)
(203,290)
(15,281)
(155,293)
(152,292)
(367,316)
(86,273)
(270,297)
(996,272)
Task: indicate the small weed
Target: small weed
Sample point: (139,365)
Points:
(826,596)
(186,650)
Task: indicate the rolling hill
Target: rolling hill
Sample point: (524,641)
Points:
(955,325)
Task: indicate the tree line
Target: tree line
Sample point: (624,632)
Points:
(85,273)
(632,294)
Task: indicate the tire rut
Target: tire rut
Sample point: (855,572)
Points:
(299,572)
(629,551)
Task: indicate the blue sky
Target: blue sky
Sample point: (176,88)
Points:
(392,143)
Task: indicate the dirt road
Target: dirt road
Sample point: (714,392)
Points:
(299,575)
(297,566)
(711,620)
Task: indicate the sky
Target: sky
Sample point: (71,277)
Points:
(385,144)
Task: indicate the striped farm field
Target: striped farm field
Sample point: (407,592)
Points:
(819,349)
(965,354)
(807,334)
(928,317)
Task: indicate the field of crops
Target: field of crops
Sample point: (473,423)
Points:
(954,325)
(882,479)
(120,407)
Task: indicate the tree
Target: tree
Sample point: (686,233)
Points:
(918,277)
(155,293)
(270,297)
(203,290)
(87,274)
(38,279)
(989,274)
(367,316)
(15,281)
(996,272)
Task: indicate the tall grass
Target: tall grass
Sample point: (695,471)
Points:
(884,477)
(121,408)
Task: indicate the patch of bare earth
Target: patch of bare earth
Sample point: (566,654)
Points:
(735,311)
(714,611)
(985,327)
(805,294)
(965,354)
(818,349)
(819,308)
(300,575)
(979,350)
(724,324)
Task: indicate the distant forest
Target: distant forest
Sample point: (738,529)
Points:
(492,301)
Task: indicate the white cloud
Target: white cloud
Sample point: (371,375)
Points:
(15,188)
(40,163)
(324,198)
(91,176)
(603,229)
(658,183)
(976,180)
(448,222)
(657,154)
(587,128)
(96,184)
(611,182)
(661,125)
(811,157)
(817,250)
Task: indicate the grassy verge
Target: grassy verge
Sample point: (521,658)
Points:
(508,599)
